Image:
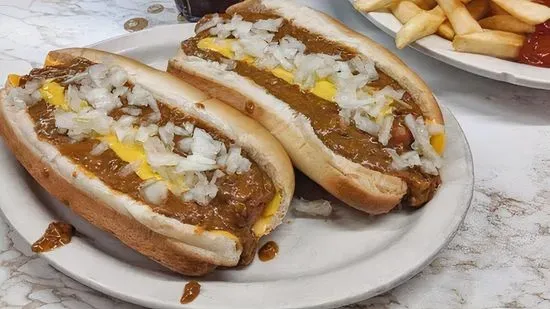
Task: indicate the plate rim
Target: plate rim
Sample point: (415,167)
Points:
(514,77)
(325,303)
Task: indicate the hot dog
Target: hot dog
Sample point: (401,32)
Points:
(182,178)
(350,114)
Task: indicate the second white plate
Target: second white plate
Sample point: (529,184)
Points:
(321,263)
(490,67)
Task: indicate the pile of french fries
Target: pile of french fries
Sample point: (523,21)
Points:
(496,28)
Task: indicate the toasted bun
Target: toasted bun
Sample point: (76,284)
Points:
(178,246)
(360,187)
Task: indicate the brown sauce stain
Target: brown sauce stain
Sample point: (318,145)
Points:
(268,251)
(190,292)
(199,105)
(249,108)
(57,235)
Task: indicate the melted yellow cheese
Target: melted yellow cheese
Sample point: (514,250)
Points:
(54,94)
(322,88)
(438,143)
(131,153)
(224,233)
(260,227)
(14,80)
(222,47)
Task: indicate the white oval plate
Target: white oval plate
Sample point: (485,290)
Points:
(321,263)
(490,67)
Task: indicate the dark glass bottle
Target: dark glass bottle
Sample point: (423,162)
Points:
(193,10)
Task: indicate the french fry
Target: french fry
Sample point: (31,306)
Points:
(478,8)
(446,31)
(494,9)
(421,25)
(460,18)
(373,5)
(405,10)
(506,23)
(425,4)
(494,43)
(528,12)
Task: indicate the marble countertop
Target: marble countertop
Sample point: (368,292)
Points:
(500,257)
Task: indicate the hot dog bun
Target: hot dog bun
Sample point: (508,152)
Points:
(178,246)
(365,189)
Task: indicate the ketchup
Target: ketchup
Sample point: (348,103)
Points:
(536,50)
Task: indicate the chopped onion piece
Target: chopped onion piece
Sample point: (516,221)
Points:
(155,193)
(214,20)
(132,111)
(144,132)
(384,134)
(117,76)
(204,145)
(236,163)
(196,164)
(166,134)
(364,123)
(435,129)
(202,191)
(99,149)
(312,208)
(98,74)
(129,168)
(185,144)
(101,98)
(271,25)
(140,96)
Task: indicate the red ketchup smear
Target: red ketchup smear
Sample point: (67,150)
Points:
(536,50)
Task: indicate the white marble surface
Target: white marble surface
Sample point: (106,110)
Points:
(500,258)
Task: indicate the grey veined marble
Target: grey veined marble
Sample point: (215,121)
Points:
(500,257)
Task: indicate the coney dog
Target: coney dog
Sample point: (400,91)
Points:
(176,175)
(350,114)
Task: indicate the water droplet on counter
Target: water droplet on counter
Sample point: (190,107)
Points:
(155,8)
(135,24)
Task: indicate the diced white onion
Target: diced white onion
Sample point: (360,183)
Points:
(166,134)
(214,20)
(132,111)
(271,25)
(235,162)
(312,208)
(185,144)
(99,149)
(202,191)
(144,132)
(204,145)
(364,123)
(195,163)
(155,193)
(435,129)
(139,96)
(129,168)
(384,134)
(117,76)
(98,73)
(101,98)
